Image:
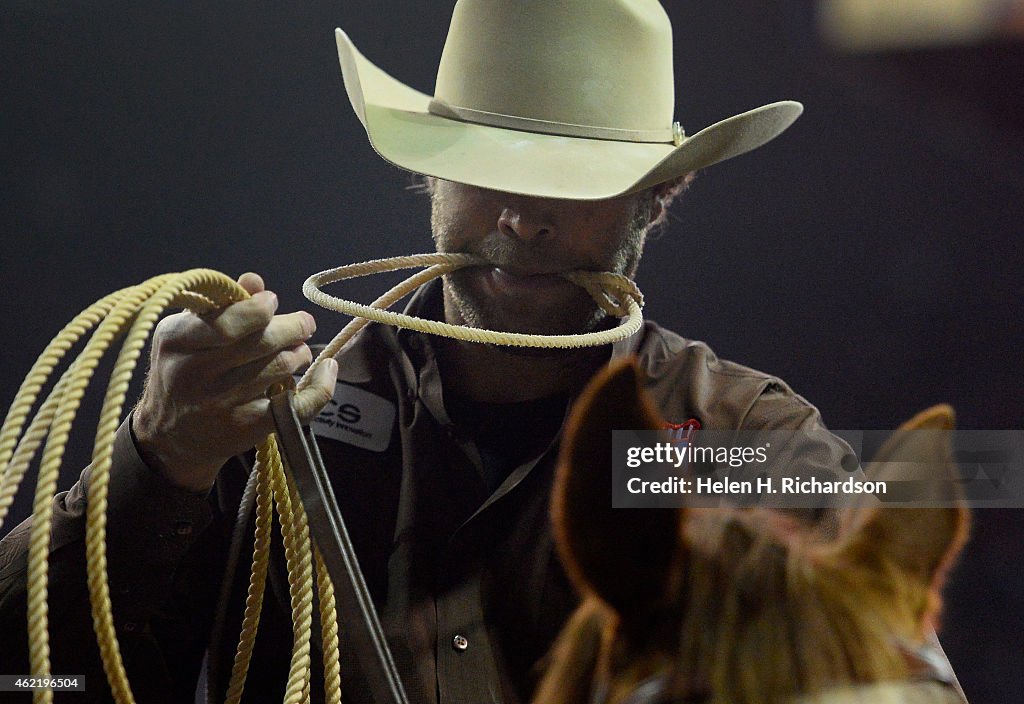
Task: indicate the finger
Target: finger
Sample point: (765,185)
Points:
(253,379)
(221,328)
(308,402)
(319,389)
(255,417)
(251,282)
(283,332)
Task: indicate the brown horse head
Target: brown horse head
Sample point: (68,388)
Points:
(738,606)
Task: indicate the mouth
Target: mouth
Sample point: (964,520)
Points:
(519,281)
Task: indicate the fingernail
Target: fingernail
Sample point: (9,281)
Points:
(332,366)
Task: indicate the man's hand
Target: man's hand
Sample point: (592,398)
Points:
(205,397)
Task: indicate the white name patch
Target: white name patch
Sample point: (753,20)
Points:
(356,417)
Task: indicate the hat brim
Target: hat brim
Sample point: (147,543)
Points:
(402,130)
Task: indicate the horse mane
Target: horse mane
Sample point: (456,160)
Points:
(765,613)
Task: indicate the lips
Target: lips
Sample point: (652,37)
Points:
(520,273)
(513,281)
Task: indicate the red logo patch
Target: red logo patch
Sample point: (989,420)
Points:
(683,432)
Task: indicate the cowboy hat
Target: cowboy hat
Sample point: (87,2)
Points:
(559,99)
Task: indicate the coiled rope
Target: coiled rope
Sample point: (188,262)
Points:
(132,312)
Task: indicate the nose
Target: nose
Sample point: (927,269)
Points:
(524,221)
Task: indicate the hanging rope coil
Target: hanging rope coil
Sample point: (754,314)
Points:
(132,313)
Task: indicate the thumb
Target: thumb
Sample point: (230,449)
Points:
(316,391)
(251,282)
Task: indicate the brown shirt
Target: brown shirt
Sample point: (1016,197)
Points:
(447,559)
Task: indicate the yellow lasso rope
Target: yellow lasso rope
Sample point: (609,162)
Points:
(133,312)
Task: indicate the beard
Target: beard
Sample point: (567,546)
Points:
(575,312)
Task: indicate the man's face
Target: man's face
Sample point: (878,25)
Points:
(530,241)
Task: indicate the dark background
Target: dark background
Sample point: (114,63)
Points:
(870,256)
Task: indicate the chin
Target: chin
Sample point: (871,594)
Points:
(573,315)
(560,323)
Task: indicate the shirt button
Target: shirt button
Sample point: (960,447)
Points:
(460,643)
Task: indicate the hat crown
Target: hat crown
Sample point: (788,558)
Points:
(601,63)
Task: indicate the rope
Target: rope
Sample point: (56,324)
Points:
(132,313)
(616,294)
(257,578)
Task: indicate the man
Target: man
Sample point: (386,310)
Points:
(549,146)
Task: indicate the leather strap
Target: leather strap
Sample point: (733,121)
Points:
(327,527)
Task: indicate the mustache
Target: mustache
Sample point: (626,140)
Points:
(506,253)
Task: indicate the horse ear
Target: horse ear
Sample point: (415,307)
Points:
(921,542)
(620,555)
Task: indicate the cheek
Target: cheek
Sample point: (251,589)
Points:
(455,221)
(606,232)
(448,232)
(614,251)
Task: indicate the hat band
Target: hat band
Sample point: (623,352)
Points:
(442,108)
